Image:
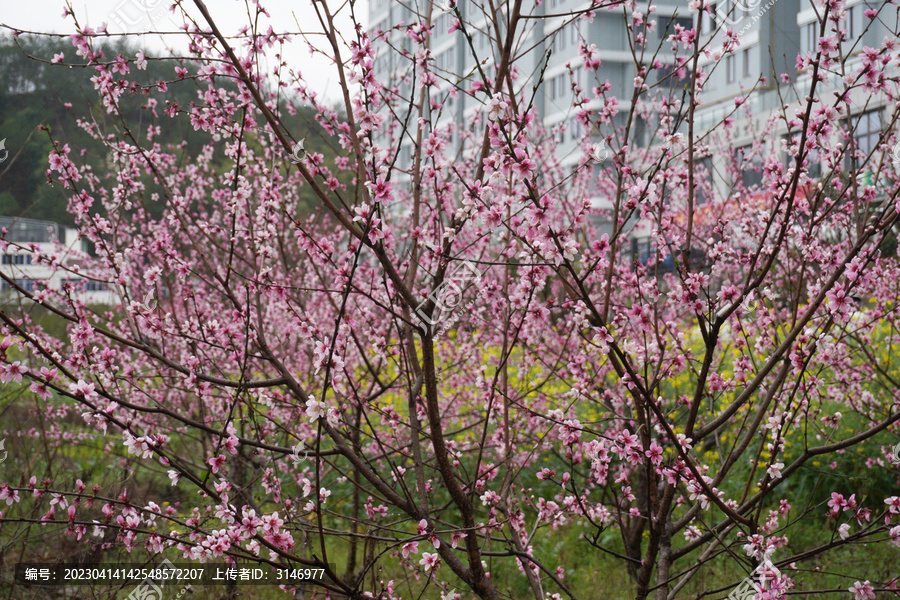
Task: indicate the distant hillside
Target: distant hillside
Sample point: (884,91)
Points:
(34,93)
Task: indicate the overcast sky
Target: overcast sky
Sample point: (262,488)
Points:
(146,15)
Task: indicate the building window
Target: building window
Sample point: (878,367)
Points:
(866,131)
(669,29)
(729,67)
(574,128)
(745,55)
(24,283)
(703,179)
(557,85)
(442,24)
(732,13)
(750,165)
(95,286)
(708,19)
(575,32)
(17,259)
(444,61)
(851,23)
(814,164)
(810,38)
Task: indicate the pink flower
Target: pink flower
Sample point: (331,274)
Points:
(774,471)
(654,453)
(862,591)
(893,504)
(12,372)
(40,389)
(895,535)
(828,45)
(231,444)
(409,548)
(489,498)
(430,561)
(9,495)
(836,503)
(216,462)
(250,522)
(545,473)
(58,58)
(382,190)
(315,410)
(837,297)
(523,165)
(120,66)
(282,539)
(272,523)
(83,388)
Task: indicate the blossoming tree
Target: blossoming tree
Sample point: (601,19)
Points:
(428,383)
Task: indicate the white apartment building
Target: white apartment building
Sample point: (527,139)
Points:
(771,35)
(555,30)
(28,238)
(548,49)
